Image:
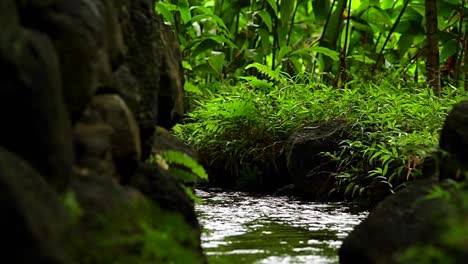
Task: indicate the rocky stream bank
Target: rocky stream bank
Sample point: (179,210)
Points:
(83,87)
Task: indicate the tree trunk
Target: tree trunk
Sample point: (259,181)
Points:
(432,60)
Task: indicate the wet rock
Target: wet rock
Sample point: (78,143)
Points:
(94,149)
(308,167)
(125,144)
(34,223)
(88,40)
(124,84)
(288,190)
(454,140)
(141,31)
(164,190)
(31,100)
(400,221)
(57,59)
(171,95)
(163,141)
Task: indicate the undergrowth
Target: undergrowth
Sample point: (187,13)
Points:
(394,125)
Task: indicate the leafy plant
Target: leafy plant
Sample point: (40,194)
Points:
(393,127)
(181,166)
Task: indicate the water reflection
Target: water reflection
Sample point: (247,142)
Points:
(247,229)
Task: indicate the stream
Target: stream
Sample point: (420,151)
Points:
(241,228)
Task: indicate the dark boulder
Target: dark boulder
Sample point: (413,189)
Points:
(79,110)
(88,40)
(454,141)
(164,140)
(171,95)
(308,167)
(127,86)
(124,136)
(164,190)
(34,223)
(141,32)
(32,109)
(400,221)
(93,149)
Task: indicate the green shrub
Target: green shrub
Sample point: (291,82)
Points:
(394,125)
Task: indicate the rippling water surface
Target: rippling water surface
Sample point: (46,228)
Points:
(240,228)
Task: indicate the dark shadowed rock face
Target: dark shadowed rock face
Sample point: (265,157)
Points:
(32,109)
(454,140)
(171,95)
(124,136)
(34,223)
(307,165)
(79,89)
(164,141)
(397,223)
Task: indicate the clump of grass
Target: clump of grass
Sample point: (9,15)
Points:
(394,126)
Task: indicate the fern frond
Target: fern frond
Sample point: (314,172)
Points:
(274,75)
(257,83)
(177,157)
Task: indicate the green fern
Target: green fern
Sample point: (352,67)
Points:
(257,83)
(274,75)
(167,158)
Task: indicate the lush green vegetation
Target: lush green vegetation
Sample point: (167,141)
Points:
(393,126)
(258,70)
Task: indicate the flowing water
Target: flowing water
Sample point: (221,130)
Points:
(240,228)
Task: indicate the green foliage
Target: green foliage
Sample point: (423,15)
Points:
(192,172)
(220,38)
(181,166)
(393,126)
(73,206)
(138,233)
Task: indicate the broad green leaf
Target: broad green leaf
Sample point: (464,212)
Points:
(204,45)
(272,4)
(445,9)
(190,88)
(362,26)
(387,4)
(361,58)
(217,19)
(448,49)
(216,61)
(162,9)
(186,65)
(334,55)
(265,40)
(283,52)
(405,43)
(211,41)
(286,11)
(266,18)
(321,9)
(184,10)
(379,17)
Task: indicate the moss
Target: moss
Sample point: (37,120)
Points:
(138,233)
